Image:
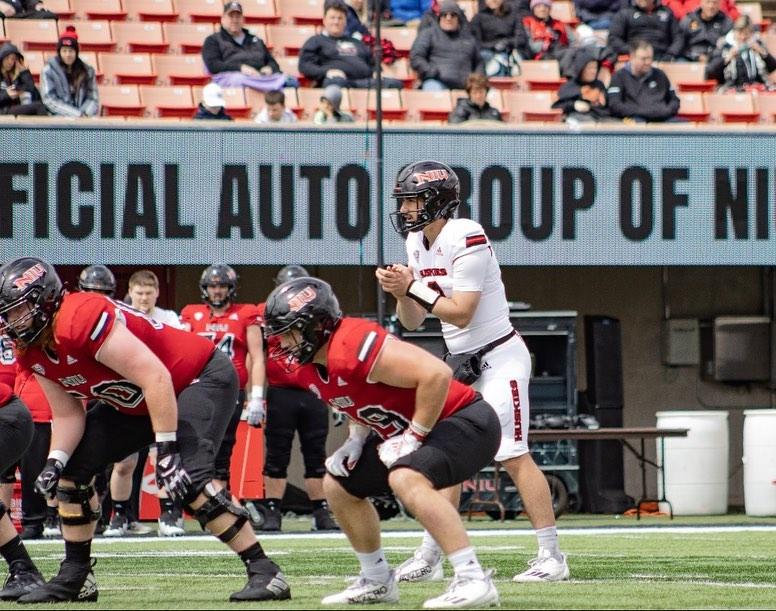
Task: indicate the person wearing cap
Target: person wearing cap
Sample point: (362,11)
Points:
(68,84)
(650,21)
(329,108)
(445,54)
(334,58)
(236,57)
(546,38)
(18,94)
(213,105)
(25,9)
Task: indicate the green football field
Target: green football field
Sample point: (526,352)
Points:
(727,562)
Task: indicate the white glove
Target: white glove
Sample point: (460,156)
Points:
(343,460)
(256,410)
(392,450)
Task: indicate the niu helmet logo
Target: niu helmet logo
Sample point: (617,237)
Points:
(422,178)
(302,298)
(30,276)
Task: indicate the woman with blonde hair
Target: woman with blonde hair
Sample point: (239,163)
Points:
(18,94)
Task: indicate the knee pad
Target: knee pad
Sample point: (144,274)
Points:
(80,495)
(3,509)
(217,504)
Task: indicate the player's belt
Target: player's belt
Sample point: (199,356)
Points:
(495,343)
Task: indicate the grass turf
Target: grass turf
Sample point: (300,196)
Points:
(632,568)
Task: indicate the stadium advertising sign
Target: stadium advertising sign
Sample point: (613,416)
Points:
(179,196)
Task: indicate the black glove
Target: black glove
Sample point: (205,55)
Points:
(170,473)
(47,481)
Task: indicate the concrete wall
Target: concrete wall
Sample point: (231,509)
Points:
(633,295)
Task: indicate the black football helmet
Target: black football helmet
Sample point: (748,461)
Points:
(97,279)
(218,273)
(307,305)
(32,282)
(435,184)
(289,272)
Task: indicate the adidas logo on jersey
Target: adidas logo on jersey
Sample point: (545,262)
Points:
(71,360)
(439,251)
(341,382)
(198,315)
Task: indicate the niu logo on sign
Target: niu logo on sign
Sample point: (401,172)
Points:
(30,276)
(301,299)
(422,178)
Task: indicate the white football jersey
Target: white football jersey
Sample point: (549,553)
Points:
(446,266)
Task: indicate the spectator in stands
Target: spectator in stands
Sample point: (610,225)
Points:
(18,94)
(235,57)
(586,41)
(597,14)
(583,97)
(68,84)
(499,31)
(702,29)
(639,92)
(275,110)
(475,106)
(431,17)
(334,58)
(329,108)
(742,62)
(682,8)
(407,11)
(353,27)
(25,9)
(213,105)
(546,38)
(444,55)
(647,20)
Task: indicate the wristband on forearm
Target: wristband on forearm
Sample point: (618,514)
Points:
(163,437)
(422,294)
(419,431)
(60,456)
(257,392)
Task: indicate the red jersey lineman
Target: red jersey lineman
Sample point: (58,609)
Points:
(415,431)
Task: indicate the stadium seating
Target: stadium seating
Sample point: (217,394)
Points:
(692,107)
(98,9)
(301,12)
(187,37)
(260,11)
(140,37)
(400,70)
(32,34)
(201,10)
(564,11)
(402,39)
(427,105)
(363,102)
(529,106)
(765,104)
(127,68)
(61,7)
(687,76)
(540,75)
(35,61)
(121,100)
(93,34)
(235,99)
(151,10)
(289,39)
(168,101)
(732,107)
(180,69)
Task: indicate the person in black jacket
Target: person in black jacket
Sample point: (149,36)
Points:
(583,98)
(598,14)
(213,106)
(476,106)
(640,93)
(25,9)
(498,29)
(701,30)
(18,94)
(334,58)
(237,58)
(445,55)
(650,21)
(742,62)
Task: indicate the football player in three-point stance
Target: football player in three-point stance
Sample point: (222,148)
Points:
(414,431)
(157,385)
(454,274)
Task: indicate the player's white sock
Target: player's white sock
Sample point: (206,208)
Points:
(429,548)
(374,566)
(548,540)
(465,564)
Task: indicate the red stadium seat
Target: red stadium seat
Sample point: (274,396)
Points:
(236,105)
(164,101)
(531,106)
(364,103)
(400,69)
(687,76)
(310,99)
(540,75)
(32,34)
(402,39)
(201,10)
(93,35)
(692,107)
(99,9)
(732,107)
(260,11)
(301,12)
(62,8)
(140,37)
(187,37)
(151,10)
(180,69)
(564,11)
(127,68)
(289,39)
(289,65)
(426,105)
(765,104)
(35,61)
(121,100)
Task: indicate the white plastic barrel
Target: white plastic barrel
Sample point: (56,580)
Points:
(760,462)
(696,466)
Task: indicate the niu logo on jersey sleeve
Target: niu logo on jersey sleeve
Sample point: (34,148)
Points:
(30,276)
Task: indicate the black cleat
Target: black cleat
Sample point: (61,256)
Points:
(265,582)
(32,531)
(74,583)
(273,519)
(323,520)
(22,579)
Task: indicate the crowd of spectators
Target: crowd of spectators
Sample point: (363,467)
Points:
(448,52)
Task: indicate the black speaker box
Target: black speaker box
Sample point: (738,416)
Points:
(603,352)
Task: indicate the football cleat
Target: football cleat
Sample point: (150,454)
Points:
(31,531)
(22,579)
(544,567)
(51,527)
(420,568)
(118,527)
(171,524)
(273,518)
(265,582)
(365,591)
(463,593)
(323,520)
(73,583)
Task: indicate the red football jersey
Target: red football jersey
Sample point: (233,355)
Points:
(353,349)
(229,332)
(6,392)
(7,362)
(81,326)
(27,388)
(275,371)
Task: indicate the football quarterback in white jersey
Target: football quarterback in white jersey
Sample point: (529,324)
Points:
(453,273)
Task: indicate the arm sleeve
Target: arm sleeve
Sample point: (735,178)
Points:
(419,53)
(676,48)
(56,105)
(309,61)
